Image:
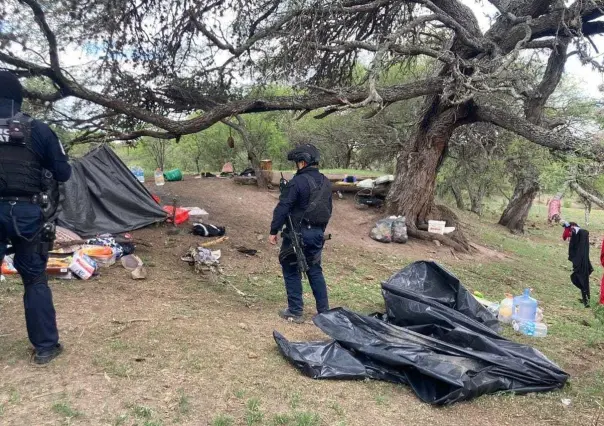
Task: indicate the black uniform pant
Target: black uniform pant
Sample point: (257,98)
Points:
(30,262)
(312,238)
(580,279)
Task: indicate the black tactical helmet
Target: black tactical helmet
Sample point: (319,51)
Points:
(10,87)
(306,152)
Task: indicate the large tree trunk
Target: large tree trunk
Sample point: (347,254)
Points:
(515,214)
(412,192)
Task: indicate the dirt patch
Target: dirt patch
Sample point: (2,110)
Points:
(247,212)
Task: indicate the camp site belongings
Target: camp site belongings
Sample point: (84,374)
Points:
(390,229)
(208,230)
(103,196)
(434,337)
(203,260)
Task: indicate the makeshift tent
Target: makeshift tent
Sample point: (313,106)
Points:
(103,196)
(435,337)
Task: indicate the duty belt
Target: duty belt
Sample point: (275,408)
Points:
(33,199)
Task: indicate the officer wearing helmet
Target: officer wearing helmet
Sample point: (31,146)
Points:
(30,154)
(306,199)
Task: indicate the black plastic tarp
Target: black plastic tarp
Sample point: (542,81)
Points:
(434,337)
(103,196)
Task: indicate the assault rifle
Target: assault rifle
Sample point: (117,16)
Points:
(294,235)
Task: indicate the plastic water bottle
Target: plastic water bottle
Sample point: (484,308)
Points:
(530,328)
(540,329)
(140,174)
(505,309)
(159,177)
(524,308)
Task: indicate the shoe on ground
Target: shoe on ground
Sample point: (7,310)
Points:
(287,315)
(44,356)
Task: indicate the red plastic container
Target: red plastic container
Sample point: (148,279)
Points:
(182,215)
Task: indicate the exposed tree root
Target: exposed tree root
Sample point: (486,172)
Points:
(449,241)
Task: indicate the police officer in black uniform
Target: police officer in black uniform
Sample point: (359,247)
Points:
(29,149)
(307,200)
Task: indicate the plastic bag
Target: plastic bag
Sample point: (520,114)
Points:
(399,230)
(435,337)
(391,229)
(382,231)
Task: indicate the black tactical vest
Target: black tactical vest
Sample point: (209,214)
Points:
(317,213)
(20,166)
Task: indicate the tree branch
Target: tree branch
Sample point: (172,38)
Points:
(40,17)
(585,194)
(537,134)
(541,44)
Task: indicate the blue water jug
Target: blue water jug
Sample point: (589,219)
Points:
(524,308)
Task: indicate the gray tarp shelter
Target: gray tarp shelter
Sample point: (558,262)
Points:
(103,196)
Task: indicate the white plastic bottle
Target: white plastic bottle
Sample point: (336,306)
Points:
(540,329)
(159,177)
(140,174)
(505,309)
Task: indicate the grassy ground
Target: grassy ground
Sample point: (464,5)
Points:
(180,349)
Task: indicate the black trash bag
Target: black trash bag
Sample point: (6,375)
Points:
(430,285)
(443,354)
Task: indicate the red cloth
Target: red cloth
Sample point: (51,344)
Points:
(602,282)
(567,233)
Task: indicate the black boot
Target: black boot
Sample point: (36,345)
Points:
(286,314)
(46,355)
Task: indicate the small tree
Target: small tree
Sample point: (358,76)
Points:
(157,149)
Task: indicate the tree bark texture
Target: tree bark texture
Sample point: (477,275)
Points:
(412,192)
(515,214)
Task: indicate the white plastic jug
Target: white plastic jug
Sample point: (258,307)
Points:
(524,307)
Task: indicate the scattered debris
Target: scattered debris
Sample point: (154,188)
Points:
(214,242)
(131,262)
(252,355)
(120,322)
(140,273)
(566,401)
(246,251)
(242,326)
(197,214)
(203,260)
(438,244)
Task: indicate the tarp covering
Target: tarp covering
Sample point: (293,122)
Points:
(444,346)
(103,196)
